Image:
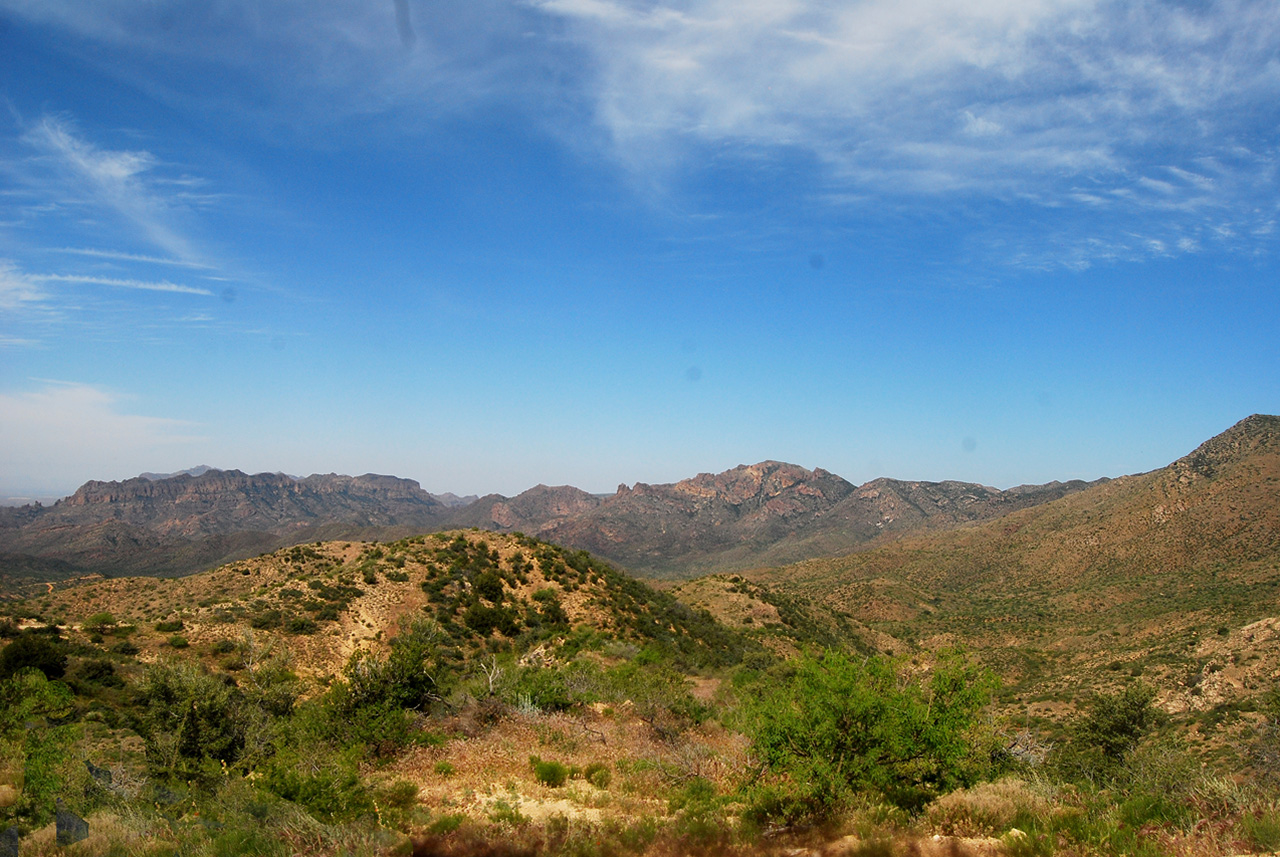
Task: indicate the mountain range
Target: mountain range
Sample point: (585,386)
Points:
(771,512)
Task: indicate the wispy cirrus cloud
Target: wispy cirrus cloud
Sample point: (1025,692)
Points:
(118,182)
(1146,117)
(121,256)
(1159,115)
(140,285)
(68,188)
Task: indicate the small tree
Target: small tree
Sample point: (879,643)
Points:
(843,725)
(1103,738)
(100,623)
(35,745)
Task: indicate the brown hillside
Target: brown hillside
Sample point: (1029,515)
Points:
(1160,574)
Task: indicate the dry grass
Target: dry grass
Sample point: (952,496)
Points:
(109,833)
(493,766)
(989,809)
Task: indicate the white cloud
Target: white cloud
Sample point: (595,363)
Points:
(54,438)
(1139,109)
(1154,107)
(113,179)
(17,288)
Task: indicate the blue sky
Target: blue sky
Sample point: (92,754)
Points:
(492,244)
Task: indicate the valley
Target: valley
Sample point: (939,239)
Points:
(1072,670)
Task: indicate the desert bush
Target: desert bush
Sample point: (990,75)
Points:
(100,671)
(370,704)
(397,803)
(484,620)
(169,625)
(1262,830)
(187,719)
(659,695)
(35,744)
(1103,737)
(841,726)
(543,688)
(222,647)
(549,773)
(325,782)
(100,623)
(266,619)
(598,774)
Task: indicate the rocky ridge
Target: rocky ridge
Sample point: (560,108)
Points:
(765,513)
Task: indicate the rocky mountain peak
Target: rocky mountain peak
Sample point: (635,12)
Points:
(1251,435)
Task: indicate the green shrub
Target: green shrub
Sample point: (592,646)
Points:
(1102,739)
(187,717)
(169,625)
(841,726)
(33,651)
(327,785)
(445,769)
(266,619)
(549,773)
(598,774)
(302,625)
(35,735)
(101,671)
(101,623)
(222,647)
(397,803)
(369,706)
(484,620)
(659,695)
(488,586)
(178,641)
(447,824)
(237,842)
(1262,830)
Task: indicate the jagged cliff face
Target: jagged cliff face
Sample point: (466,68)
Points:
(221,501)
(185,523)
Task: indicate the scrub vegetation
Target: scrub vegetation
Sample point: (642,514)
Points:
(476,693)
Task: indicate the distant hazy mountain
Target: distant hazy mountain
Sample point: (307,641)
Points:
(199,470)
